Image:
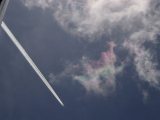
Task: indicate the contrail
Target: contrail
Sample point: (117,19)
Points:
(30,61)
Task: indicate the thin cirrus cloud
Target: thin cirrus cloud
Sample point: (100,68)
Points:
(138,22)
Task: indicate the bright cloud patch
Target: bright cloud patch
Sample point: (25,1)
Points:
(93,17)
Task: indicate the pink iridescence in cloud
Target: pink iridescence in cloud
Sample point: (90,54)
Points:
(99,76)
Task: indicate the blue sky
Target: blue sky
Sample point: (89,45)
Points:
(64,48)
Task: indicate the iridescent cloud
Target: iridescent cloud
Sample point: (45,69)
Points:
(100,76)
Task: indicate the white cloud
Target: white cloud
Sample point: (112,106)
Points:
(93,17)
(37,3)
(144,60)
(144,63)
(136,21)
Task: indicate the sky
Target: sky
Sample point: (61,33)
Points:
(101,57)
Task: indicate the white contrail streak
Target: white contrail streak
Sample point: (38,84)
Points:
(30,61)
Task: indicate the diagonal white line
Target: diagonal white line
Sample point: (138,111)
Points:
(30,61)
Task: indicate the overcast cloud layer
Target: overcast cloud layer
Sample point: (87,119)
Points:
(137,23)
